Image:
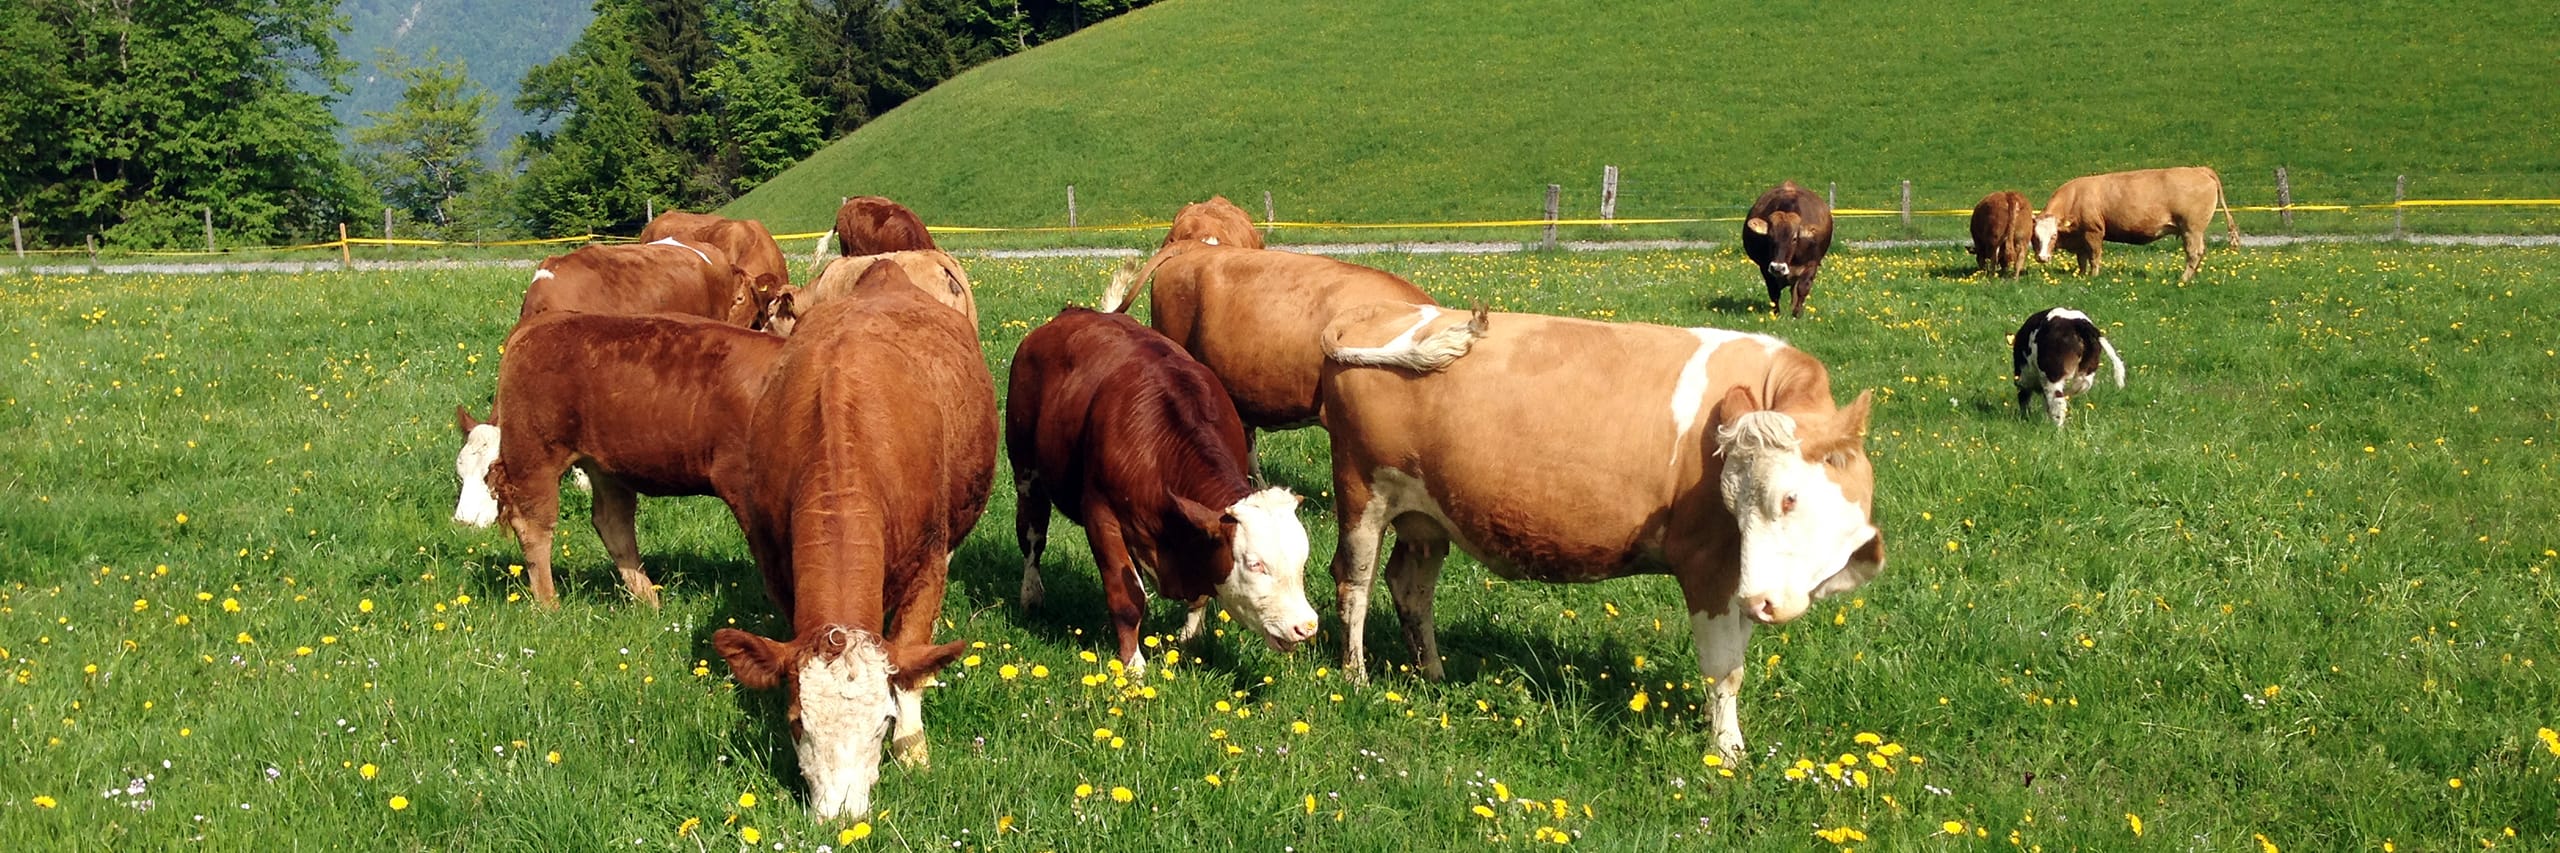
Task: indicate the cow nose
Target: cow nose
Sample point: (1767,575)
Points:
(1302,631)
(1778,269)
(1773,608)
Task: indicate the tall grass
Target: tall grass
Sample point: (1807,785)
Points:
(2296,582)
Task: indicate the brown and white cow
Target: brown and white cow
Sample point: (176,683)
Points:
(2134,207)
(1110,423)
(1566,451)
(876,450)
(653,404)
(667,275)
(871,225)
(937,274)
(1786,234)
(1217,222)
(1252,316)
(2055,356)
(746,242)
(2003,233)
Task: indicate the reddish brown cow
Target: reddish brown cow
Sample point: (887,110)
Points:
(1217,222)
(871,225)
(1568,451)
(936,272)
(746,241)
(646,405)
(1786,235)
(876,451)
(2136,208)
(1252,316)
(1112,424)
(2003,233)
(667,275)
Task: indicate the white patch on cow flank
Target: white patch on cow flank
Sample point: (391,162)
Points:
(1209,240)
(671,241)
(477,507)
(1691,392)
(846,708)
(1267,586)
(2060,313)
(1798,528)
(539,275)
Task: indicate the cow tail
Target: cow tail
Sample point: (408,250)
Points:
(1410,350)
(2112,358)
(1133,276)
(2227,220)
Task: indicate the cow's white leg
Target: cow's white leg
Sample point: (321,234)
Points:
(1355,567)
(906,739)
(1031,532)
(2057,404)
(1196,622)
(1720,641)
(1413,575)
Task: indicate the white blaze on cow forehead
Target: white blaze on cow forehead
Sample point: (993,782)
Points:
(477,507)
(1691,391)
(846,708)
(539,275)
(671,241)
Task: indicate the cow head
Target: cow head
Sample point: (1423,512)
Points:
(1802,493)
(477,506)
(781,314)
(2048,227)
(1264,548)
(1789,240)
(842,686)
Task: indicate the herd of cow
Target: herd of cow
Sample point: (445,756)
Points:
(851,426)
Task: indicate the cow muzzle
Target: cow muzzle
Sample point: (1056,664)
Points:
(1774,608)
(1779,268)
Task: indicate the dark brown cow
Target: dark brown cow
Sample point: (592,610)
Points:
(2003,233)
(2136,208)
(1252,316)
(668,275)
(1786,235)
(1109,422)
(2055,356)
(876,450)
(871,225)
(1217,222)
(746,241)
(652,404)
(931,269)
(1568,451)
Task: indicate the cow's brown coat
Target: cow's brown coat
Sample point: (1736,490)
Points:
(2003,233)
(2136,208)
(871,225)
(746,242)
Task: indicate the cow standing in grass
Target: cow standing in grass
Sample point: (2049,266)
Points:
(668,275)
(2135,207)
(2003,233)
(2055,356)
(875,453)
(1216,222)
(936,272)
(871,225)
(1110,423)
(1567,451)
(1786,235)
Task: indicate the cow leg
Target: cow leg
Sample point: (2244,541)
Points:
(1777,296)
(1031,532)
(1125,595)
(914,629)
(2024,395)
(1720,639)
(1413,575)
(615,507)
(1803,289)
(529,498)
(1196,622)
(2090,260)
(1355,567)
(2194,239)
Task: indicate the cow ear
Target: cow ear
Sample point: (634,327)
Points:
(914,665)
(758,662)
(462,420)
(1736,403)
(954,278)
(1844,433)
(769,283)
(1756,225)
(1207,519)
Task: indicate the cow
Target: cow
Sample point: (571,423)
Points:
(2136,208)
(666,275)
(2055,356)
(1112,424)
(871,225)
(1566,451)
(653,404)
(746,241)
(1216,222)
(1786,234)
(937,273)
(1252,316)
(875,454)
(2003,231)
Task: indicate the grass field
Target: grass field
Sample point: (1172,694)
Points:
(2293,586)
(1443,110)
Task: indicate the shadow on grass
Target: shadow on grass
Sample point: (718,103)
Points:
(1727,303)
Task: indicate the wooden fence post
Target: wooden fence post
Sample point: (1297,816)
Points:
(1268,216)
(1834,198)
(652,207)
(1906,203)
(1071,205)
(17,238)
(346,257)
(1555,193)
(2284,198)
(2399,215)
(93,251)
(208,229)
(1608,192)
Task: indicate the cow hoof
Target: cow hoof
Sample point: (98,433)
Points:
(910,751)
(1032,593)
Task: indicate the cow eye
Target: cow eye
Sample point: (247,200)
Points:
(1254,564)
(1787,505)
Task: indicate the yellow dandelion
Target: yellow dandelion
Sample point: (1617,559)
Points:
(1482,812)
(43,801)
(2265,846)
(1008,672)
(2455,783)
(231,605)
(749,834)
(1300,727)
(747,800)
(364,605)
(688,826)
(1003,825)
(1953,827)
(1638,702)
(1122,795)
(552,756)
(2135,822)
(399,803)
(1039,671)
(1214,781)
(861,830)
(1101,734)
(1083,790)
(302,651)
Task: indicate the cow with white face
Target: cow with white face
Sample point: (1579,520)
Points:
(1569,451)
(847,691)
(2054,356)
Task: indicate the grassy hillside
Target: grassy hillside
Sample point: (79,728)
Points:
(1445,109)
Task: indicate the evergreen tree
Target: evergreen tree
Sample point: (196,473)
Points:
(423,153)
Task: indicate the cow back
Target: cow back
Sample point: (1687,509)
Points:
(2137,206)
(746,241)
(659,401)
(1217,221)
(871,225)
(1254,316)
(932,271)
(641,279)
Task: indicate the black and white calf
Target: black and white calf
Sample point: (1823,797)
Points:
(2055,355)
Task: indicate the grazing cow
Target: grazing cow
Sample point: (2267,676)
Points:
(746,241)
(1109,422)
(2135,207)
(876,451)
(1566,450)
(1786,235)
(2055,356)
(936,273)
(1252,316)
(2003,232)
(653,404)
(1217,222)
(871,225)
(668,275)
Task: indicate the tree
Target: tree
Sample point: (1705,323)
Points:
(605,164)
(769,123)
(423,152)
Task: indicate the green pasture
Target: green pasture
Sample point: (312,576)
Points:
(2292,588)
(1447,110)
